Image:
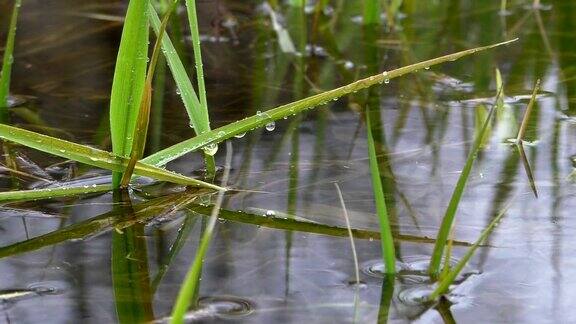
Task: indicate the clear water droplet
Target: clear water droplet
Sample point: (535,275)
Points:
(240,135)
(210,149)
(387,81)
(270,126)
(270,213)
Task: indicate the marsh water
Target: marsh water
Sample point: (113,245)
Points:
(281,253)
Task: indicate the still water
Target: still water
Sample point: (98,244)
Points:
(264,266)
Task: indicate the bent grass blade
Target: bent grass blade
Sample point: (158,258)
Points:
(220,134)
(92,156)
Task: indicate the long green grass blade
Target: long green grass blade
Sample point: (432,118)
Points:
(225,132)
(129,78)
(386,240)
(8,58)
(372,10)
(92,156)
(143,118)
(445,283)
(190,287)
(49,193)
(450,214)
(193,21)
(183,83)
(194,32)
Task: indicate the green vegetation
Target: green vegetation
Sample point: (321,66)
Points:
(131,105)
(8,59)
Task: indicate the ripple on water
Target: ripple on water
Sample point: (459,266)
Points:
(9,297)
(228,307)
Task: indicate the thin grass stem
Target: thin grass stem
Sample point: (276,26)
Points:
(353,248)
(8,58)
(528,112)
(191,282)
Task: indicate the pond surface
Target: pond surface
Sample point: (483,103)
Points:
(267,262)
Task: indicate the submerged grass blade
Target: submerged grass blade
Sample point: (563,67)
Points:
(8,59)
(49,193)
(191,282)
(129,78)
(445,283)
(143,117)
(92,156)
(450,214)
(220,134)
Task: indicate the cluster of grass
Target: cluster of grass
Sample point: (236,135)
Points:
(130,108)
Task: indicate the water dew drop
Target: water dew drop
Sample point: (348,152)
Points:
(210,149)
(240,135)
(270,213)
(270,126)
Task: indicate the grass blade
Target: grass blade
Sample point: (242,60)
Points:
(49,193)
(143,117)
(191,282)
(445,283)
(448,218)
(528,112)
(92,156)
(183,83)
(193,21)
(386,239)
(8,58)
(183,234)
(129,78)
(354,254)
(225,132)
(372,11)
